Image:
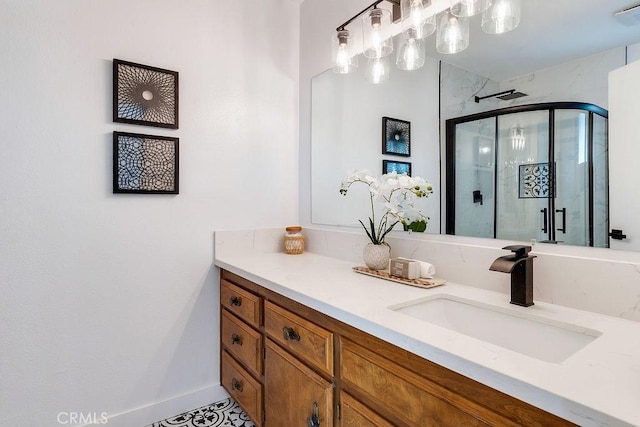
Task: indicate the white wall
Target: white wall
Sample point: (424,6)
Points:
(623,152)
(109,302)
(318,20)
(347,134)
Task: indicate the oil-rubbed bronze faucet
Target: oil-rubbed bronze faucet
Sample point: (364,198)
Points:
(520,266)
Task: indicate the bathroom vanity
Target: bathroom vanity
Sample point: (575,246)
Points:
(318,368)
(305,340)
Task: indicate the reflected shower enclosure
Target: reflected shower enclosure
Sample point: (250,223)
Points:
(531,172)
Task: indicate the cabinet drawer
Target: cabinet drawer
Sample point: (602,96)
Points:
(409,398)
(242,387)
(242,341)
(242,303)
(305,339)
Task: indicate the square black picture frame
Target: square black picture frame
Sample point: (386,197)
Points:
(535,181)
(145,164)
(144,95)
(396,137)
(389,166)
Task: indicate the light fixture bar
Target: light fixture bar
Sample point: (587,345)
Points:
(396,12)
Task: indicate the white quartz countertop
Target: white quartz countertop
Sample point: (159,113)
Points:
(597,386)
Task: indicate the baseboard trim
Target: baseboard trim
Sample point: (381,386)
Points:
(149,414)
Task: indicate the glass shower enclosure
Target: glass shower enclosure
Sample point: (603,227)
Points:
(531,172)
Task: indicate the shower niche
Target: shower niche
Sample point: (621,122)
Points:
(530,172)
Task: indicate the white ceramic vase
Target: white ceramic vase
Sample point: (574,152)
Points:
(376,257)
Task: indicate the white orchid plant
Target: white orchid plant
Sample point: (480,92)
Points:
(397,194)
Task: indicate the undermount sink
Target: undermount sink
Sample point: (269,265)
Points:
(515,330)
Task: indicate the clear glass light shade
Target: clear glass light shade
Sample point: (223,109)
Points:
(410,53)
(502,16)
(345,59)
(453,33)
(376,32)
(378,70)
(465,8)
(415,17)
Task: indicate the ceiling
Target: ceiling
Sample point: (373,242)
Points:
(550,32)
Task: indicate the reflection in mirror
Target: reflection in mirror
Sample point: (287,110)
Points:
(347,134)
(347,114)
(532,173)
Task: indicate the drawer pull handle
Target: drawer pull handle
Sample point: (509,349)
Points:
(235,339)
(236,385)
(237,301)
(289,334)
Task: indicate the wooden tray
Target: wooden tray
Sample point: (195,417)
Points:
(384,274)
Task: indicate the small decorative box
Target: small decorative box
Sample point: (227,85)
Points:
(406,268)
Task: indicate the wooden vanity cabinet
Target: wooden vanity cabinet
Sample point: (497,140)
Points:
(314,363)
(241,348)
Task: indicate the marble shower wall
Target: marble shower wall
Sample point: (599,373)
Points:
(582,80)
(458,89)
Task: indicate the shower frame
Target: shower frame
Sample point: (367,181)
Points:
(552,107)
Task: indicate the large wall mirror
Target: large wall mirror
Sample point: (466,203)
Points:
(553,57)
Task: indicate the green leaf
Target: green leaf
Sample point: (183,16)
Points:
(366,231)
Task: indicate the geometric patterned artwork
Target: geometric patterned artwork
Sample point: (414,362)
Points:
(536,181)
(396,137)
(144,163)
(144,95)
(224,413)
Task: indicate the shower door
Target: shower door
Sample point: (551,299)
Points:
(571,153)
(543,173)
(524,177)
(533,174)
(475,178)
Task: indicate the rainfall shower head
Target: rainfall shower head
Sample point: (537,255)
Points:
(512,95)
(507,95)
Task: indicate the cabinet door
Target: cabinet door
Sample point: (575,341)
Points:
(292,389)
(355,414)
(408,399)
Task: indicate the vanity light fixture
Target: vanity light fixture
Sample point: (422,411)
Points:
(345,59)
(375,28)
(376,33)
(453,33)
(502,16)
(418,22)
(378,70)
(411,51)
(466,8)
(415,19)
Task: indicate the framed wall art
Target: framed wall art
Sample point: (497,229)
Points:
(535,181)
(396,137)
(145,163)
(144,95)
(389,166)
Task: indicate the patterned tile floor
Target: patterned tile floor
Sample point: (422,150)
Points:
(224,413)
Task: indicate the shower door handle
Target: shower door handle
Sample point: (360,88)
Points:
(544,220)
(563,230)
